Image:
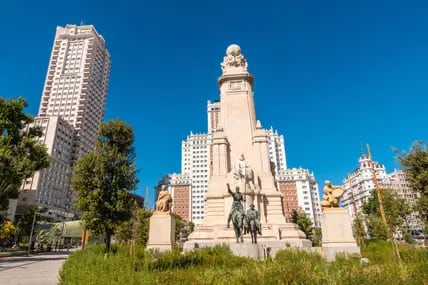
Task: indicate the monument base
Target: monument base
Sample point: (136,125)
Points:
(273,239)
(337,234)
(162,232)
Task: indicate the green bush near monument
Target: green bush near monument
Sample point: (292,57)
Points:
(218,265)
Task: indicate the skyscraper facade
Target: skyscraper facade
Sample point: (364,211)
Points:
(195,163)
(71,110)
(276,150)
(76,83)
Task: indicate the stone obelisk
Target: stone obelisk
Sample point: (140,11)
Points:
(240,136)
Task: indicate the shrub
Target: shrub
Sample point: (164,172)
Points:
(217,265)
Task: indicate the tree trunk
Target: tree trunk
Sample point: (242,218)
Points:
(108,242)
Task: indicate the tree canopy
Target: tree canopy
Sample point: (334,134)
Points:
(304,222)
(104,178)
(20,152)
(415,165)
(396,211)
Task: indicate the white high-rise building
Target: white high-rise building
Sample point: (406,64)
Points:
(300,190)
(195,163)
(276,150)
(401,185)
(76,83)
(71,110)
(358,185)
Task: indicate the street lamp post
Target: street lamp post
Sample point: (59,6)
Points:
(31,233)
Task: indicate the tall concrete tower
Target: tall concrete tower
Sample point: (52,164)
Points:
(76,83)
(71,110)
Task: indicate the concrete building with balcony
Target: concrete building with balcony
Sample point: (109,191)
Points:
(300,190)
(400,184)
(76,83)
(71,110)
(359,184)
(50,187)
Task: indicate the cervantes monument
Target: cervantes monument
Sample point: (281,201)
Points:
(240,158)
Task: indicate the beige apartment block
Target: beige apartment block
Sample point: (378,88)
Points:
(76,83)
(50,187)
(71,110)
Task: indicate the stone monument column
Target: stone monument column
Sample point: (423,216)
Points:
(241,158)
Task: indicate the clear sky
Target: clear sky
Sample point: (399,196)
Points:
(330,76)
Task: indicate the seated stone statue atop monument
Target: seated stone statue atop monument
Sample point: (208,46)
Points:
(331,196)
(163,204)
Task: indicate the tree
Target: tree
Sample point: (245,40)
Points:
(104,178)
(7,231)
(317,237)
(359,229)
(23,226)
(20,152)
(396,211)
(304,222)
(143,225)
(415,165)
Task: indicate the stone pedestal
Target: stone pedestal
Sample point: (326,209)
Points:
(337,234)
(250,250)
(162,232)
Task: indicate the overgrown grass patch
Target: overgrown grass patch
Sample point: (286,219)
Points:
(218,265)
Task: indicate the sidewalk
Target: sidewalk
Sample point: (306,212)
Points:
(38,269)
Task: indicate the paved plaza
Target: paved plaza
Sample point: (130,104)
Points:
(31,270)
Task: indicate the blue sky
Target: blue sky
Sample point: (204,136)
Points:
(330,76)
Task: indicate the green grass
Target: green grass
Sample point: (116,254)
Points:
(218,265)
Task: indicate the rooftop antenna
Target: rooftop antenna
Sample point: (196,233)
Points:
(82,22)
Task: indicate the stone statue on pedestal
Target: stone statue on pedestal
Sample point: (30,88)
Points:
(162,224)
(331,196)
(336,225)
(163,204)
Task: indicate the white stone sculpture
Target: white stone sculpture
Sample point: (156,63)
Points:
(234,61)
(243,172)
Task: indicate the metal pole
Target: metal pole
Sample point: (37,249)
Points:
(31,233)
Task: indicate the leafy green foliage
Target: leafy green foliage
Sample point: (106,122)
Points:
(304,222)
(396,211)
(23,226)
(415,165)
(7,230)
(217,265)
(317,237)
(103,179)
(20,152)
(359,229)
(143,226)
